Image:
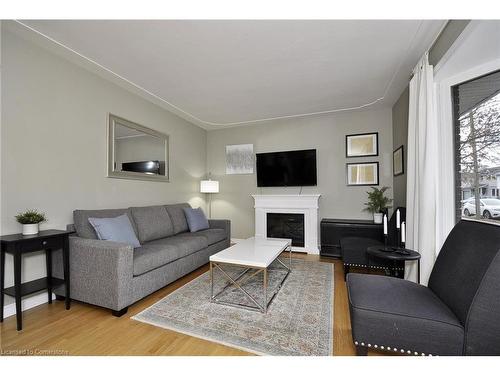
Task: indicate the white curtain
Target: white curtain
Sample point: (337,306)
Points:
(422,170)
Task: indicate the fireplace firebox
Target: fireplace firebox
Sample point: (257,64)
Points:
(285,225)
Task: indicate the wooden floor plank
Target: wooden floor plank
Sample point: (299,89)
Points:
(90,330)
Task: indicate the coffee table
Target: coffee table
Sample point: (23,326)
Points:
(254,255)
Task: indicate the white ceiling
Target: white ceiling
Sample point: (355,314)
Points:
(226,73)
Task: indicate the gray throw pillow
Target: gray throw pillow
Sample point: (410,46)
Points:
(196,219)
(118,229)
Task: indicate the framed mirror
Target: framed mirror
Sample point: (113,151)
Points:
(136,152)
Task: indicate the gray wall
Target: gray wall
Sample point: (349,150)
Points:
(327,135)
(400,137)
(54,147)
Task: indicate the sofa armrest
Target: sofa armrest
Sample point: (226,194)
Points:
(101,272)
(221,224)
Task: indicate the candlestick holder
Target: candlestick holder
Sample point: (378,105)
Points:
(385,240)
(398,241)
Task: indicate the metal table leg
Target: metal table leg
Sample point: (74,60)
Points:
(265,291)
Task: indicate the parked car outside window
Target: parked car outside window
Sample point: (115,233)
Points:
(489,208)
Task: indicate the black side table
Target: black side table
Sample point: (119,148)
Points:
(395,255)
(17,245)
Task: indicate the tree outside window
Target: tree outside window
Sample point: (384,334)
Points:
(478,148)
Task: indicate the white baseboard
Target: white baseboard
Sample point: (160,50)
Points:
(236,240)
(27,303)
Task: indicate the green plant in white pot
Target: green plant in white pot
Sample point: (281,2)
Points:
(377,203)
(30,220)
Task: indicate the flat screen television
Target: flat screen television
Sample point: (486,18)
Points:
(149,166)
(287,168)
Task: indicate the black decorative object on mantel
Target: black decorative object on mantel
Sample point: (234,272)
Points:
(17,245)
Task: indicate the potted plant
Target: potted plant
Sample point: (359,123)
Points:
(377,203)
(30,220)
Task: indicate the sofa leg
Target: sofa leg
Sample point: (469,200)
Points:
(346,271)
(119,313)
(60,298)
(361,350)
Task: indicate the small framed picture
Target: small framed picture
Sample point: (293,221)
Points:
(359,145)
(362,174)
(398,161)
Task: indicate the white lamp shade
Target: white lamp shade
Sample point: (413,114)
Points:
(209,186)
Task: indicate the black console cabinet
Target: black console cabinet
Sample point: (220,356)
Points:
(332,230)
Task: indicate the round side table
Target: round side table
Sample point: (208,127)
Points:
(395,255)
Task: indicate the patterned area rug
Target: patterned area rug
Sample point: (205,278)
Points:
(299,321)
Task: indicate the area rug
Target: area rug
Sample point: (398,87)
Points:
(298,322)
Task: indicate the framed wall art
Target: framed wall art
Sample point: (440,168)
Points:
(360,145)
(239,159)
(362,174)
(398,163)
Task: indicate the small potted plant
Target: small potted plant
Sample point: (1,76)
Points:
(30,220)
(377,203)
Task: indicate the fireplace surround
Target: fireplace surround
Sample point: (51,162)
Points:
(306,205)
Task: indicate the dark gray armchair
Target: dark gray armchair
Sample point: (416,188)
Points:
(458,314)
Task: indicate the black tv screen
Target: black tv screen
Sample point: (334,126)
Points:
(150,166)
(287,168)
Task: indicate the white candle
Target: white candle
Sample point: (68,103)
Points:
(385,224)
(398,219)
(403,232)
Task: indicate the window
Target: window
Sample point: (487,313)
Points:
(477,147)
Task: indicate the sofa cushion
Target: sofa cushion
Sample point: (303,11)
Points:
(212,235)
(401,314)
(152,222)
(196,219)
(118,229)
(157,253)
(176,212)
(85,230)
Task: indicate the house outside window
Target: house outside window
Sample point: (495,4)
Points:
(477,147)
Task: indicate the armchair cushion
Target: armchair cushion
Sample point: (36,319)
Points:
(402,315)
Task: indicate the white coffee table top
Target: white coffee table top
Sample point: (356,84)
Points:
(253,252)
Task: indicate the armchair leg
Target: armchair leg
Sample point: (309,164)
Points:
(361,350)
(346,271)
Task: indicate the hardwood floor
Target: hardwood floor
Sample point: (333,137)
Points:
(90,330)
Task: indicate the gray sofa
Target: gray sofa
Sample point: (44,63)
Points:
(114,275)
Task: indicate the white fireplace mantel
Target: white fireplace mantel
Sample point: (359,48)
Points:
(306,204)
